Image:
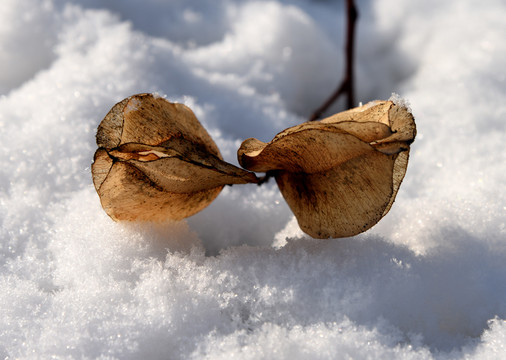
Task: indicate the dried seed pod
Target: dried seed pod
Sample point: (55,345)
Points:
(156,162)
(339,175)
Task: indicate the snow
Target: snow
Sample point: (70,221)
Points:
(400,101)
(239,279)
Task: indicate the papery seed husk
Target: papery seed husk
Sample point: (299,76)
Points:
(339,175)
(128,194)
(344,201)
(156,162)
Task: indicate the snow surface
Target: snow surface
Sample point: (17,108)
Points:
(240,280)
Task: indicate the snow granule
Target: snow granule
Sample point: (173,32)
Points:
(400,101)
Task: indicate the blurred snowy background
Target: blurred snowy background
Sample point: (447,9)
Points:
(239,280)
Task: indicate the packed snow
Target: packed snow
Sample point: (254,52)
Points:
(240,280)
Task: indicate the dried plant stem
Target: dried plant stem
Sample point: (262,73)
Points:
(346,87)
(264,179)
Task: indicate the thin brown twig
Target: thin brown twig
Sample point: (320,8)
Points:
(264,179)
(346,87)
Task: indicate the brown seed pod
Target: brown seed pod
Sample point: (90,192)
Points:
(155,162)
(339,175)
